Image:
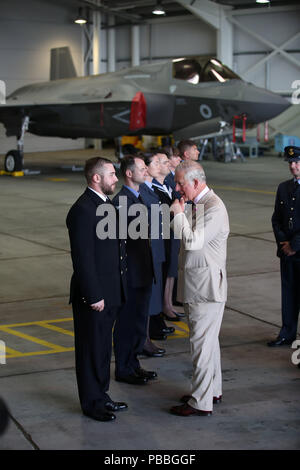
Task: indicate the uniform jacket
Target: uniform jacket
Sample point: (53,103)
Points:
(202,259)
(170,182)
(99,270)
(286,216)
(150,198)
(139,258)
(164,197)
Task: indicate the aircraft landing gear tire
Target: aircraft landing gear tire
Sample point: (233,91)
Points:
(13,161)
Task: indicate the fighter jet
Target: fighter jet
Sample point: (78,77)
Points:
(180,96)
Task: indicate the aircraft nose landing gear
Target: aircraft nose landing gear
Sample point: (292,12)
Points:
(14,159)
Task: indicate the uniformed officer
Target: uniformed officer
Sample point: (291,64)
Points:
(286,227)
(98,288)
(130,329)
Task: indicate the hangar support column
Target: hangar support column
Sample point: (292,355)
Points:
(216,16)
(111,44)
(96,42)
(135,45)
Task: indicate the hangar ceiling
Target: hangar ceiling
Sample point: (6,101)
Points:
(141,10)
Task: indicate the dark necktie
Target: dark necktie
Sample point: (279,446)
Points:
(194,213)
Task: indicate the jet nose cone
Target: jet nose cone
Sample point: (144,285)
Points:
(263,105)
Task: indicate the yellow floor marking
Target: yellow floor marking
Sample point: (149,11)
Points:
(245,190)
(181,331)
(55,328)
(30,338)
(40,353)
(58,320)
(57,179)
(8,352)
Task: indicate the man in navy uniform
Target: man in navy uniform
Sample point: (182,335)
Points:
(98,289)
(286,227)
(130,330)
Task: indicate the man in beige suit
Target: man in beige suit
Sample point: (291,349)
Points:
(202,283)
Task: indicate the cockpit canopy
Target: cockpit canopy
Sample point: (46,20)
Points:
(202,70)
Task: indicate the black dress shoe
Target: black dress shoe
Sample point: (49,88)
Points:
(168,330)
(279,342)
(115,406)
(148,374)
(179,314)
(101,415)
(133,379)
(176,318)
(155,353)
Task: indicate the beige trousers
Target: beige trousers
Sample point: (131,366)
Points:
(205,322)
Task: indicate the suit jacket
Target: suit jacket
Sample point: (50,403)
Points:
(286,217)
(139,259)
(98,265)
(202,259)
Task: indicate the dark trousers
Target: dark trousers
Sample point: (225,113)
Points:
(93,349)
(290,297)
(130,330)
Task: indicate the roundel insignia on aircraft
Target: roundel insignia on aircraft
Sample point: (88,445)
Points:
(205,111)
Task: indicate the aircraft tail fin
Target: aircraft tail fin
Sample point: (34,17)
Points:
(61,65)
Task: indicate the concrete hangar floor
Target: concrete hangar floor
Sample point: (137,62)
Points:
(260,407)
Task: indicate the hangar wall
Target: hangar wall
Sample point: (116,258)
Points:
(28,30)
(254,36)
(167,38)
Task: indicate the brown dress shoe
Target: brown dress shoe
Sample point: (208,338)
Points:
(186,398)
(187,410)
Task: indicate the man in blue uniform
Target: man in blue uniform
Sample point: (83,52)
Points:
(130,330)
(286,227)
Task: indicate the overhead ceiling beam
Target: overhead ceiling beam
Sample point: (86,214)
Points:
(272,9)
(93,4)
(204,9)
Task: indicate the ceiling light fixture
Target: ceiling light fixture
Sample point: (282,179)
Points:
(262,1)
(158,10)
(81,18)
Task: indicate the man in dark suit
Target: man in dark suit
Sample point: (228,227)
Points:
(286,227)
(97,288)
(131,326)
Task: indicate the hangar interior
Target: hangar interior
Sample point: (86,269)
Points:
(260,410)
